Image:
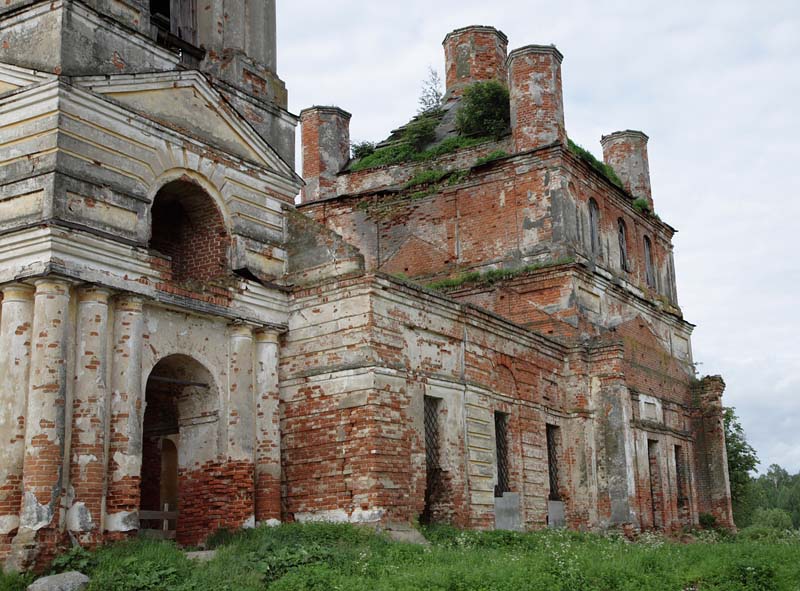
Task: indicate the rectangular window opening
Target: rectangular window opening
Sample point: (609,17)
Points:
(433,468)
(501,446)
(553,442)
(680,475)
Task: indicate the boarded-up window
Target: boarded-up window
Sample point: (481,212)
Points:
(176,17)
(501,446)
(553,444)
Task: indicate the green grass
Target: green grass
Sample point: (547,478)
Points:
(346,558)
(492,276)
(405,152)
(491,157)
(598,165)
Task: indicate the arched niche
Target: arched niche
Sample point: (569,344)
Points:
(188,230)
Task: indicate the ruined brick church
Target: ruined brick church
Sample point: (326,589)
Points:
(183,348)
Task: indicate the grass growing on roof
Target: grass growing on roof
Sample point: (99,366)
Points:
(404,152)
(492,276)
(598,165)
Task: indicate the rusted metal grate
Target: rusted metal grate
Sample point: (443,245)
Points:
(552,461)
(501,445)
(433,468)
(432,433)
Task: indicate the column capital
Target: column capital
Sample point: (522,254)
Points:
(52,286)
(267,335)
(94,294)
(17,292)
(240,330)
(129,301)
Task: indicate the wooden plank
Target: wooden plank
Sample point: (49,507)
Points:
(157,515)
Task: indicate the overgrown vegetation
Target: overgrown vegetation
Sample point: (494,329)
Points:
(485,110)
(491,157)
(598,165)
(484,115)
(492,276)
(361,149)
(347,558)
(405,152)
(430,97)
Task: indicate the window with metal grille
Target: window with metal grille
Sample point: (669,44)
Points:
(501,446)
(680,474)
(433,469)
(553,435)
(432,433)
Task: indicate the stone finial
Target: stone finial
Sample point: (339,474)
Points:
(626,153)
(473,54)
(537,101)
(326,149)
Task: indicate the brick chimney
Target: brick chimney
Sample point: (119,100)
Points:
(626,153)
(326,149)
(473,54)
(537,102)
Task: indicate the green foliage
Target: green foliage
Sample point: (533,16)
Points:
(426,177)
(362,149)
(491,157)
(598,165)
(15,581)
(640,204)
(430,97)
(492,276)
(742,459)
(405,152)
(76,559)
(347,558)
(773,518)
(485,110)
(420,132)
(707,521)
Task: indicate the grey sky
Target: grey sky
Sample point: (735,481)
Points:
(716,86)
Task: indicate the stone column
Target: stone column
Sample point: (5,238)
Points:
(16,323)
(43,465)
(241,428)
(268,434)
(127,410)
(241,407)
(89,412)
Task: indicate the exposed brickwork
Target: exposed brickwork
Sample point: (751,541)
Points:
(214,495)
(473,54)
(586,269)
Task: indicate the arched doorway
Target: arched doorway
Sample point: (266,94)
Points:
(180,432)
(189,231)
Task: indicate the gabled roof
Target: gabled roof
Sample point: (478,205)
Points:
(187,101)
(13,78)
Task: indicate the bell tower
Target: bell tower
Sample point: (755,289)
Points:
(146,170)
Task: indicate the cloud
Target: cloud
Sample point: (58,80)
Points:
(714,85)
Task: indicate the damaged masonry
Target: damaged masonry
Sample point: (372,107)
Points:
(183,349)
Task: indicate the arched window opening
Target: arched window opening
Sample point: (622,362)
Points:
(189,230)
(594,226)
(622,235)
(650,274)
(180,432)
